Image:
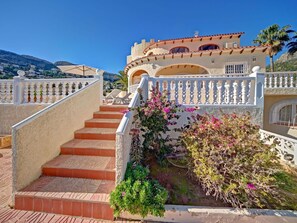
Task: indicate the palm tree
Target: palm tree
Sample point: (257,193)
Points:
(292,45)
(123,81)
(274,36)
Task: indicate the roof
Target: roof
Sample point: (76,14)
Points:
(220,36)
(239,50)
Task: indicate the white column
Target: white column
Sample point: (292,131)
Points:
(18,89)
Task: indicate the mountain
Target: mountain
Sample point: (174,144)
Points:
(24,60)
(63,63)
(285,62)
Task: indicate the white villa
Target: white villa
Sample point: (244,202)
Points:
(70,149)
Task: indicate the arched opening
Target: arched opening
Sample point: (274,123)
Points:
(136,76)
(284,113)
(179,49)
(181,70)
(209,47)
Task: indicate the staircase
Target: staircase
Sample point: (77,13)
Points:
(78,181)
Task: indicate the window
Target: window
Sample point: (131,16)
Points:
(180,49)
(235,68)
(284,113)
(209,47)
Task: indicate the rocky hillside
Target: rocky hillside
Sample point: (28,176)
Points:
(285,62)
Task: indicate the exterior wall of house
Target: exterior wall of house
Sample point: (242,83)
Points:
(11,114)
(210,63)
(269,101)
(38,138)
(214,65)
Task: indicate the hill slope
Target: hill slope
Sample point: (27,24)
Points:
(285,62)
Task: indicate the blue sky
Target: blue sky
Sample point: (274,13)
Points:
(100,33)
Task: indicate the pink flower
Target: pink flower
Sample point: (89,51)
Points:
(190,109)
(134,131)
(251,186)
(123,194)
(166,110)
(125,111)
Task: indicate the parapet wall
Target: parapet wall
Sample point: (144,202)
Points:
(11,114)
(37,140)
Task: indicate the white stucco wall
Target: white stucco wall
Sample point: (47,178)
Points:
(37,139)
(11,114)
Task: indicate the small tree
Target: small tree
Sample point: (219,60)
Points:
(123,81)
(274,36)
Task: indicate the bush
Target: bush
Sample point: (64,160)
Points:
(138,194)
(230,161)
(153,118)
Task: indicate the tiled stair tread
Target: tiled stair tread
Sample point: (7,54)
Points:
(113,107)
(101,120)
(82,162)
(90,144)
(70,188)
(108,112)
(97,130)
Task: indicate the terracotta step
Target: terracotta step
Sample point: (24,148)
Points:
(89,147)
(102,123)
(67,196)
(96,133)
(108,115)
(113,108)
(91,167)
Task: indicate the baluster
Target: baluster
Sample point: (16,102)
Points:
(76,86)
(286,80)
(215,92)
(222,93)
(248,92)
(43,92)
(25,96)
(207,82)
(235,93)
(161,86)
(243,92)
(38,92)
(275,81)
(270,81)
(184,91)
(63,90)
(32,91)
(199,83)
(265,81)
(8,92)
(292,80)
(50,92)
(280,80)
(231,92)
(176,91)
(228,97)
(169,90)
(191,91)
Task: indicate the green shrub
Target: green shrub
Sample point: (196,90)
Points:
(138,194)
(230,161)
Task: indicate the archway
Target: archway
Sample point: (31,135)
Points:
(136,77)
(181,70)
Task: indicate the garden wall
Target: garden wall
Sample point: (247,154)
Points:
(11,114)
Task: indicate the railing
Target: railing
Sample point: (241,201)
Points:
(51,90)
(123,137)
(133,88)
(281,79)
(214,91)
(286,147)
(6,91)
(34,91)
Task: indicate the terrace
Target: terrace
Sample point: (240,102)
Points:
(66,110)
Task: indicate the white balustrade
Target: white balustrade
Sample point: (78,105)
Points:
(133,88)
(286,147)
(6,91)
(218,90)
(281,79)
